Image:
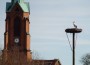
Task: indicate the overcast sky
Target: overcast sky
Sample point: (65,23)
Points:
(49,19)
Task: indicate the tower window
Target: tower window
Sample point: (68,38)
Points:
(17,27)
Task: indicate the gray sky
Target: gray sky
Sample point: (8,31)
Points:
(49,19)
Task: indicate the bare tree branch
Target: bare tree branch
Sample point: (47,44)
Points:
(85,60)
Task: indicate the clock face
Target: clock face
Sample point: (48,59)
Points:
(16,40)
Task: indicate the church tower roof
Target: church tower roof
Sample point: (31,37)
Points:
(24,5)
(14,1)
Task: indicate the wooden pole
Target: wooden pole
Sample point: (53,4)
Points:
(73,48)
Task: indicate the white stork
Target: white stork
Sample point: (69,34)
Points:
(74,24)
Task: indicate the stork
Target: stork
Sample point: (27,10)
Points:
(74,24)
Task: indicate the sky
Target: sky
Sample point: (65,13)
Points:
(48,21)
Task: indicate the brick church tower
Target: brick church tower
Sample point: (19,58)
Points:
(16,36)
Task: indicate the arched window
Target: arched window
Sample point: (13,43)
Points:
(17,26)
